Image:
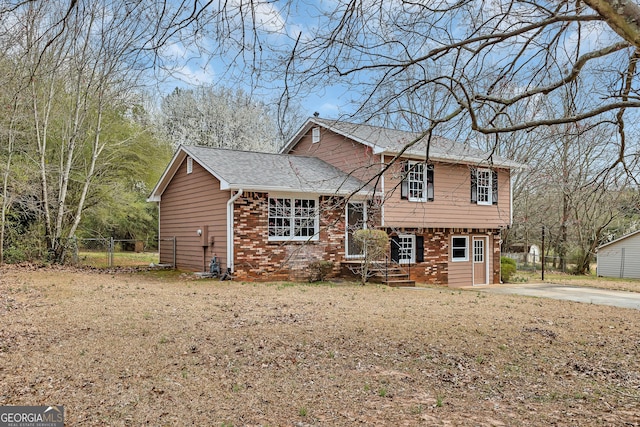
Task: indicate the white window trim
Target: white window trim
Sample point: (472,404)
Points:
(315,135)
(412,258)
(189,165)
(346,231)
(292,197)
(489,200)
(466,258)
(412,164)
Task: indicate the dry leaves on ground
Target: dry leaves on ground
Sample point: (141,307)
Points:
(128,349)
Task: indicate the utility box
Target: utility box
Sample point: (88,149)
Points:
(204,237)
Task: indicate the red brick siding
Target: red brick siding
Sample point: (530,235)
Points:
(495,268)
(258,259)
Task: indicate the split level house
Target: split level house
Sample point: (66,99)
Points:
(267,216)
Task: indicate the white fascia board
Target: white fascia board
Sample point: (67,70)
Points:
(277,189)
(455,159)
(309,123)
(224,185)
(295,138)
(619,239)
(166,176)
(347,135)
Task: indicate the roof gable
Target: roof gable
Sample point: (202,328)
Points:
(254,171)
(393,142)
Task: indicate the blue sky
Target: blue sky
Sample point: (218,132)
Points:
(191,67)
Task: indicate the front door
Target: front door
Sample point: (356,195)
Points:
(480,261)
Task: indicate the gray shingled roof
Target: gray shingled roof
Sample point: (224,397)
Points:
(272,172)
(391,141)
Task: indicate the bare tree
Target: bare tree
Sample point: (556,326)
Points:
(487,59)
(80,64)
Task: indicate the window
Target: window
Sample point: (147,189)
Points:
(292,219)
(417,182)
(459,248)
(356,220)
(315,135)
(189,165)
(484,186)
(406,253)
(478,250)
(407,248)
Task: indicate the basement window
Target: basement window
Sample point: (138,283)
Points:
(459,248)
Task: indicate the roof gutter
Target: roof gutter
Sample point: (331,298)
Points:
(230,251)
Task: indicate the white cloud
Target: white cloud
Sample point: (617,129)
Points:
(194,75)
(268,18)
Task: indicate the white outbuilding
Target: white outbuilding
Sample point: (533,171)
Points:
(621,257)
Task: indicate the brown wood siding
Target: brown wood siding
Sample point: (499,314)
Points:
(452,205)
(347,155)
(461,272)
(191,202)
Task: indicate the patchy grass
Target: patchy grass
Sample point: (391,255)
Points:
(163,349)
(585,280)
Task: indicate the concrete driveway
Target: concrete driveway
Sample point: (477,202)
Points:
(587,295)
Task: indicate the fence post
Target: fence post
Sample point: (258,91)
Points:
(543,252)
(111,249)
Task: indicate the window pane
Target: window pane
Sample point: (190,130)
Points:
(459,248)
(415,180)
(406,251)
(292,218)
(279,217)
(304,217)
(483,184)
(355,222)
(478,250)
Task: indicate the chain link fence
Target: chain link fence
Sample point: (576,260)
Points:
(110,252)
(531,262)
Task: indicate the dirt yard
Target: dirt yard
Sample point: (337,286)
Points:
(155,349)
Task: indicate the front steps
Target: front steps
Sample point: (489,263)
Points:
(393,275)
(390,274)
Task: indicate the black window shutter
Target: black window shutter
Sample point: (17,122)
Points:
(404,185)
(395,249)
(430,185)
(494,187)
(419,248)
(474,185)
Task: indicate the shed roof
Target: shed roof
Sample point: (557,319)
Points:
(626,236)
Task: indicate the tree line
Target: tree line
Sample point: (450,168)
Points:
(553,85)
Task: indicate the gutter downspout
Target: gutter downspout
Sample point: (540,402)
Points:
(230,229)
(384,195)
